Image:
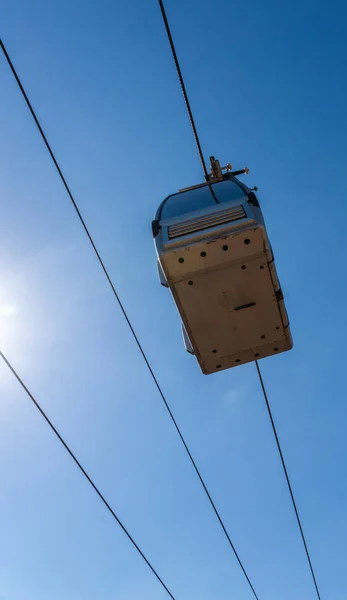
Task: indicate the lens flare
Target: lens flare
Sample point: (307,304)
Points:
(6,310)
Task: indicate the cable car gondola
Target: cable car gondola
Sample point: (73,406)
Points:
(215,257)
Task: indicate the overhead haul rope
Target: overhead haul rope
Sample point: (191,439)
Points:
(83,471)
(196,137)
(183,87)
(287,477)
(139,345)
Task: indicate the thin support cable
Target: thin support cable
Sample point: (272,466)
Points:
(144,356)
(184,91)
(83,471)
(287,478)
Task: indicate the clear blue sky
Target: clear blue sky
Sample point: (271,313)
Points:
(267,86)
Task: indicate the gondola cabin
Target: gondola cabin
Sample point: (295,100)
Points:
(215,257)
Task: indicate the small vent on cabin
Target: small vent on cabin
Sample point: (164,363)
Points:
(206,221)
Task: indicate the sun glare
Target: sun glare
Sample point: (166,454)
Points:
(6,310)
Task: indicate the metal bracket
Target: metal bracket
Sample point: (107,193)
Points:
(217,174)
(217,171)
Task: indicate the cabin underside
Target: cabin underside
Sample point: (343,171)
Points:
(229,299)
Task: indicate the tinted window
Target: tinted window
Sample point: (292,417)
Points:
(203,197)
(228,190)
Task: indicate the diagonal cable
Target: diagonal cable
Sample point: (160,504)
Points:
(139,345)
(287,478)
(183,87)
(83,471)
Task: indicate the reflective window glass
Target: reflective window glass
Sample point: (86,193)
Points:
(203,197)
